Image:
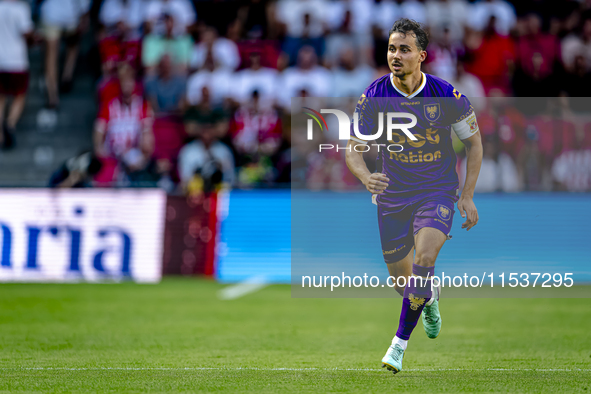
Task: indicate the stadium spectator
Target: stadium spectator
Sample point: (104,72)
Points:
(350,24)
(443,55)
(254,19)
(169,137)
(76,172)
(535,168)
(577,82)
(109,87)
(307,75)
(500,11)
(385,12)
(268,50)
(15,26)
(537,61)
(122,15)
(412,9)
(177,46)
(470,46)
(355,14)
(166,91)
(256,78)
(205,163)
(451,15)
(348,79)
(120,45)
(469,85)
(498,171)
(255,130)
(548,135)
(572,171)
(491,57)
(503,120)
(123,138)
(577,45)
(586,140)
(68,19)
(218,82)
(326,170)
(303,24)
(392,10)
(557,133)
(182,12)
(223,51)
(205,113)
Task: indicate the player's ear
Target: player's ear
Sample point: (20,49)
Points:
(423,56)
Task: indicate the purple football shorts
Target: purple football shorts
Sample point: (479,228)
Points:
(399,222)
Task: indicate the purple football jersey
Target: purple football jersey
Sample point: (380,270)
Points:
(429,163)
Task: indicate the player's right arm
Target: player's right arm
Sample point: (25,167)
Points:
(375,183)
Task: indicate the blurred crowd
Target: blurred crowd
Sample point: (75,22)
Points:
(196,95)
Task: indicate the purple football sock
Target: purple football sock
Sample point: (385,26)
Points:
(416,294)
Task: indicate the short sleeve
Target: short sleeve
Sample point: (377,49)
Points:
(25,22)
(458,106)
(366,119)
(461,115)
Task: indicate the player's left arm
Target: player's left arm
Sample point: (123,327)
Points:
(467,130)
(473,161)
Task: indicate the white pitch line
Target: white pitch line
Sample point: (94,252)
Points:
(293,369)
(248,286)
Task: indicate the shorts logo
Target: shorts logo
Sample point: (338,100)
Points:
(443,212)
(432,112)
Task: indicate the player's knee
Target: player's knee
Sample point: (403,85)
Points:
(425,258)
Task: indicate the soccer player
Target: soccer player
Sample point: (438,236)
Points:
(416,188)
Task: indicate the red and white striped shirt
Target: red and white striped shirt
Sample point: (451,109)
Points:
(125,124)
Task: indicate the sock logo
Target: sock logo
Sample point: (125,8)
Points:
(415,302)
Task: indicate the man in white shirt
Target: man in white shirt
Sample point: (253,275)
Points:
(15,25)
(449,15)
(68,18)
(349,78)
(306,76)
(224,51)
(218,81)
(182,11)
(205,158)
(255,78)
(575,45)
(132,13)
(502,10)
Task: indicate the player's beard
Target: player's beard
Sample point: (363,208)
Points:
(398,73)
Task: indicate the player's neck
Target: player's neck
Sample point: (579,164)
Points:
(410,83)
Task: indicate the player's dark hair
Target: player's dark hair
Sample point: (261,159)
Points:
(406,26)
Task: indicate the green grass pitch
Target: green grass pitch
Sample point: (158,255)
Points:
(178,336)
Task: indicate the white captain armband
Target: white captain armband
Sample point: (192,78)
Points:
(466,128)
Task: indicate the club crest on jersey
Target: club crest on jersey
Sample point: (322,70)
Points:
(443,212)
(432,112)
